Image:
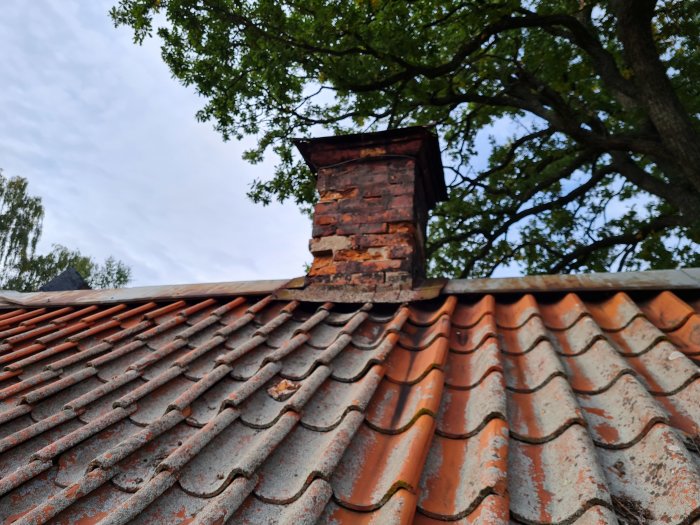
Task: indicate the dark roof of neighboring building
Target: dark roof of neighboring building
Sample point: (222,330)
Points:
(555,399)
(69,279)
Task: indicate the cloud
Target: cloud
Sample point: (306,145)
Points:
(109,141)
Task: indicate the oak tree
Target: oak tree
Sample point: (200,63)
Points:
(569,127)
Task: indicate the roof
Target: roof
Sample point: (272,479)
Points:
(68,279)
(482,404)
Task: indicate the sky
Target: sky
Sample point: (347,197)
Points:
(110,143)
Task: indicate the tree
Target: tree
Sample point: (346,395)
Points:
(20,223)
(599,167)
(21,269)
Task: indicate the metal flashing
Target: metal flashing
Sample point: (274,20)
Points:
(593,282)
(141,293)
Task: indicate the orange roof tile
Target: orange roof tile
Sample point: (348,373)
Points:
(472,407)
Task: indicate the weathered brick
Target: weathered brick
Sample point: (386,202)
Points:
(330,269)
(327,279)
(325,207)
(367,167)
(357,228)
(367,278)
(330,244)
(398,176)
(389,215)
(400,227)
(389,190)
(326,220)
(401,251)
(322,260)
(359,255)
(370,266)
(365,205)
(320,230)
(402,201)
(398,278)
(383,239)
(353,180)
(330,181)
(329,195)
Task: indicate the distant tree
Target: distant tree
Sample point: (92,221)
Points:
(21,269)
(30,274)
(21,216)
(599,164)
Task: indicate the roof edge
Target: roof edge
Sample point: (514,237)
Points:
(685,279)
(141,293)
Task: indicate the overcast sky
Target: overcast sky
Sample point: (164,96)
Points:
(109,141)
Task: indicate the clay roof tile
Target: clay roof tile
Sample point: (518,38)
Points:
(487,406)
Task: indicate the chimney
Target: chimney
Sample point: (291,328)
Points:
(375,191)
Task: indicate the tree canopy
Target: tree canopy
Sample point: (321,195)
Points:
(21,268)
(587,111)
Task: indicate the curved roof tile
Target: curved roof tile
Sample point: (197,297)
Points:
(468,408)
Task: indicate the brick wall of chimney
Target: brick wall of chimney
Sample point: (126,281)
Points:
(369,224)
(375,190)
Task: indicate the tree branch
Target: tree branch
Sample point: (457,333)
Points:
(686,202)
(673,123)
(515,216)
(410,70)
(583,253)
(579,32)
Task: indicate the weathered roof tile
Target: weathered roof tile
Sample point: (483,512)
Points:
(304,455)
(468,370)
(464,412)
(551,482)
(656,478)
(395,406)
(621,415)
(459,472)
(470,409)
(541,415)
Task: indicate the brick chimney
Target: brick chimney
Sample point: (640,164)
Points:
(375,191)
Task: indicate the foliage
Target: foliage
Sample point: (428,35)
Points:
(32,273)
(20,223)
(21,269)
(591,107)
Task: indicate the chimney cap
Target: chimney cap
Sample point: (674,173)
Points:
(416,141)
